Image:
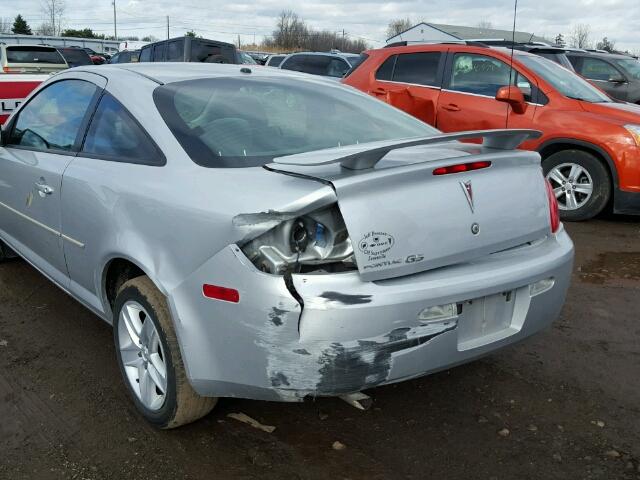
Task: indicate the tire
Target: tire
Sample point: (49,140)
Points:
(179,404)
(588,169)
(5,252)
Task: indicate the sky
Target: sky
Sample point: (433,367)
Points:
(366,19)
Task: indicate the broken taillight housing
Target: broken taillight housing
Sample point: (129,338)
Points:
(554,211)
(314,242)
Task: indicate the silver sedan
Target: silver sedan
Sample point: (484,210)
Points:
(257,233)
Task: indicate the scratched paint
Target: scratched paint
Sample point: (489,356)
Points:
(296,370)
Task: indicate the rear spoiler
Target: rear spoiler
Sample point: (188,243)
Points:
(366,155)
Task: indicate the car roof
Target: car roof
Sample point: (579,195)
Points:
(326,54)
(169,72)
(9,45)
(600,55)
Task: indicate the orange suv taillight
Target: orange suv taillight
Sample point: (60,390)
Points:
(554,211)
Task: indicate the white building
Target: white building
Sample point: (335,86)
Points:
(438,32)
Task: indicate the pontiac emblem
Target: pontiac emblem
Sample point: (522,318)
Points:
(468,193)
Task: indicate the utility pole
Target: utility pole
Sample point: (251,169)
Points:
(115,29)
(167,27)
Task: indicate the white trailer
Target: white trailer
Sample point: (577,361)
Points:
(109,47)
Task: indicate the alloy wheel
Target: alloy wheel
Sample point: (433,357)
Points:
(142,355)
(572,185)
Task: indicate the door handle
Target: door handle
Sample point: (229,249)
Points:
(43,188)
(452,107)
(379,91)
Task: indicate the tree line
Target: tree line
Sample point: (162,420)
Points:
(292,33)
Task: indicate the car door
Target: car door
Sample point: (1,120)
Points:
(605,76)
(467,101)
(116,146)
(411,82)
(40,141)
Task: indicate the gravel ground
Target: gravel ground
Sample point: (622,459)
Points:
(563,405)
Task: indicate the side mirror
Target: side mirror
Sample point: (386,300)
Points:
(514,97)
(617,78)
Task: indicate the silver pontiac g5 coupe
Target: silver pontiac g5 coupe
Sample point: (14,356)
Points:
(258,233)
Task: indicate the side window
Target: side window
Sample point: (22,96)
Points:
(115,135)
(385,71)
(175,51)
(337,67)
(525,85)
(53,118)
(419,68)
(478,74)
(575,61)
(145,54)
(596,69)
(158,52)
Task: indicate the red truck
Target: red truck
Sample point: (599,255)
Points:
(14,88)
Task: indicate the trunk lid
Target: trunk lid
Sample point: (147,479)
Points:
(403,219)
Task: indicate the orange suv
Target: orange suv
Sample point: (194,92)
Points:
(590,145)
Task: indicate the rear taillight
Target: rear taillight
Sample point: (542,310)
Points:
(554,212)
(461,167)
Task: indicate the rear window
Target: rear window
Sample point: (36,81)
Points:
(211,53)
(33,54)
(326,65)
(75,57)
(245,122)
(275,61)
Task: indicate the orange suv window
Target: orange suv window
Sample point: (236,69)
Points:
(419,68)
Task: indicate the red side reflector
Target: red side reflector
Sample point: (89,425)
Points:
(221,293)
(461,167)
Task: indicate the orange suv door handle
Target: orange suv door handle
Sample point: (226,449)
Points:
(452,107)
(379,91)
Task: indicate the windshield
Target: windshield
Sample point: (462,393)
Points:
(245,122)
(632,67)
(559,58)
(247,59)
(32,54)
(567,83)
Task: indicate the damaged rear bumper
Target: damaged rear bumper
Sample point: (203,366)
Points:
(350,335)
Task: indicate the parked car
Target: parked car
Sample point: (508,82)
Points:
(220,218)
(327,64)
(274,60)
(75,57)
(93,53)
(127,56)
(618,75)
(31,59)
(556,54)
(259,57)
(190,49)
(590,143)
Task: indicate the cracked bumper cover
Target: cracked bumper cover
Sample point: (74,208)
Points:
(352,335)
